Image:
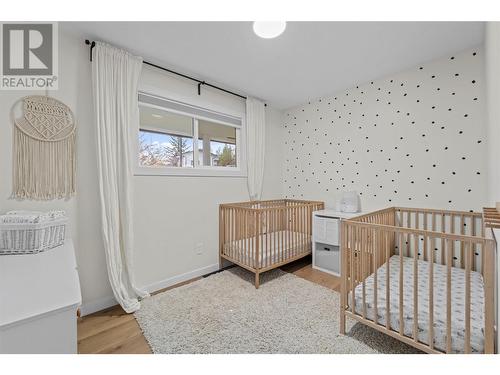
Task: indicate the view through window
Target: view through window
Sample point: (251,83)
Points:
(166,140)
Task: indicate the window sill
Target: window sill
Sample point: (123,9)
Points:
(189,172)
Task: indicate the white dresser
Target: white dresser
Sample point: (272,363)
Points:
(39,298)
(326,240)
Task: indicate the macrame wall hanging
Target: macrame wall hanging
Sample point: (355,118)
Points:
(44,150)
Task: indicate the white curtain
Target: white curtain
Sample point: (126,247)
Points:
(115,75)
(256,145)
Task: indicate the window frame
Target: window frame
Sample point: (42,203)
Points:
(197,170)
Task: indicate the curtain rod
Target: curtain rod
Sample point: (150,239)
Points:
(200,83)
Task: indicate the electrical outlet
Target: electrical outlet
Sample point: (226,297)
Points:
(198,248)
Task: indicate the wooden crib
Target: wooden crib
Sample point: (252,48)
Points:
(263,235)
(425,277)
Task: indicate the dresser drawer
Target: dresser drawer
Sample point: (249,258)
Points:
(327,257)
(326,230)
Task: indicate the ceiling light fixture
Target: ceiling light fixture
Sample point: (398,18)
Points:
(156,115)
(269,29)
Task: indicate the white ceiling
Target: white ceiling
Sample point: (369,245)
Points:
(309,60)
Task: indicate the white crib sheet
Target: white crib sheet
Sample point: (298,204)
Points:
(274,247)
(439,295)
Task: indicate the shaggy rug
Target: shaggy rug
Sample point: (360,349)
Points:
(224,313)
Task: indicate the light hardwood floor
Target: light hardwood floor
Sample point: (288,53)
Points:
(115,332)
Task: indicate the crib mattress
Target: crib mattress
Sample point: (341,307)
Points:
(439,295)
(273,247)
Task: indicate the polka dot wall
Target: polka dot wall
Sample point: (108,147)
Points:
(416,138)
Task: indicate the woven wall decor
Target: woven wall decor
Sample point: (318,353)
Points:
(44,150)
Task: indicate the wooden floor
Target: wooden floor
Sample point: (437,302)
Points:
(114,331)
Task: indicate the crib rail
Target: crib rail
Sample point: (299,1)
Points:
(451,239)
(263,235)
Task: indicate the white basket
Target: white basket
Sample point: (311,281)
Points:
(32,238)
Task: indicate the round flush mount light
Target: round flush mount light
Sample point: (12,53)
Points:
(269,29)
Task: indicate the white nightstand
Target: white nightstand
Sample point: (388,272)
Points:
(326,240)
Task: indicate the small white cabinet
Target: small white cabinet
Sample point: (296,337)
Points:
(39,298)
(326,240)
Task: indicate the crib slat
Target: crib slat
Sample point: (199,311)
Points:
(283,233)
(241,235)
(343,282)
(303,240)
(387,282)
(484,248)
(468,259)
(462,231)
(237,234)
(296,231)
(289,232)
(448,294)
(401,295)
(300,212)
(375,277)
(269,238)
(352,246)
(257,245)
(307,238)
(305,244)
(415,288)
(408,236)
(488,252)
(292,232)
(245,236)
(363,266)
(266,248)
(279,234)
(231,233)
(452,230)
(275,236)
(298,244)
(433,246)
(426,256)
(251,218)
(263,240)
(248,237)
(431,296)
(228,232)
(473,230)
(443,230)
(265,245)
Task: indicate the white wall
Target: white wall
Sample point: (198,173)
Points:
(74,90)
(492,62)
(171,214)
(399,140)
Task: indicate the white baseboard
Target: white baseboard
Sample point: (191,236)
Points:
(106,302)
(181,278)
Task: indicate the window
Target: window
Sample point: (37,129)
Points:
(166,140)
(218,144)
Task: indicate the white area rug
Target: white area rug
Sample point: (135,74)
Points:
(224,313)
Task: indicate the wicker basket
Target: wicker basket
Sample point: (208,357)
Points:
(32,238)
